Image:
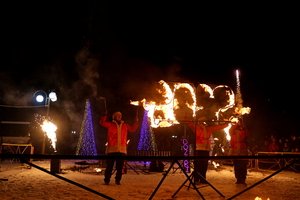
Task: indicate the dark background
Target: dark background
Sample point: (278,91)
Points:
(92,49)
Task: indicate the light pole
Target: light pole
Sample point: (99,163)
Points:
(42,96)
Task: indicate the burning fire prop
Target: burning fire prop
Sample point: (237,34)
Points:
(175,102)
(172,103)
(49,128)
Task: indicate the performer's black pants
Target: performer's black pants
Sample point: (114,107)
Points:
(240,169)
(110,164)
(200,166)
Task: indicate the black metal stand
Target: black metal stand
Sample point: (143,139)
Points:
(128,165)
(174,169)
(167,172)
(125,168)
(191,179)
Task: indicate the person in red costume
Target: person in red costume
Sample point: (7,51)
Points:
(273,145)
(239,147)
(117,131)
(203,146)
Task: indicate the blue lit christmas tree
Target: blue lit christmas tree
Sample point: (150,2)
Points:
(86,143)
(147,139)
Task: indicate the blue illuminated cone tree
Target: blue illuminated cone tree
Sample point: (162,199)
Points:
(86,143)
(147,139)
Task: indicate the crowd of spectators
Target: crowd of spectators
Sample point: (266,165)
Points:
(273,143)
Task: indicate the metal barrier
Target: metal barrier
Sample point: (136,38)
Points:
(16,149)
(277,162)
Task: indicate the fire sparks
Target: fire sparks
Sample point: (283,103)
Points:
(135,103)
(239,109)
(49,128)
(242,110)
(239,100)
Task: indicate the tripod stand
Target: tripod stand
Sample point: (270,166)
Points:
(126,164)
(191,178)
(125,167)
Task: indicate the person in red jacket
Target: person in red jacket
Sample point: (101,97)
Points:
(203,133)
(239,147)
(117,131)
(273,144)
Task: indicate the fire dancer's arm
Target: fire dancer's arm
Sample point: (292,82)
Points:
(103,121)
(190,124)
(133,127)
(217,127)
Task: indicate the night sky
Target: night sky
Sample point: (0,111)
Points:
(92,49)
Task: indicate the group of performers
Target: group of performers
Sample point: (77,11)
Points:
(117,131)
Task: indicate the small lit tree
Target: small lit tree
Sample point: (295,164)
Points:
(147,139)
(86,143)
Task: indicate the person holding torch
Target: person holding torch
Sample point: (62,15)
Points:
(203,132)
(117,131)
(239,147)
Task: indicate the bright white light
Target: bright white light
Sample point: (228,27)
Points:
(98,170)
(39,98)
(53,96)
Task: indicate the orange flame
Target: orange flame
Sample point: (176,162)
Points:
(49,128)
(180,98)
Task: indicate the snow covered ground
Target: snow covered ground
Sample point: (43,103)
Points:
(18,181)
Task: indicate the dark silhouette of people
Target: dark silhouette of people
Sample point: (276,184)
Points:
(239,147)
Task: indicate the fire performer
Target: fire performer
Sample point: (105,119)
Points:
(203,133)
(117,131)
(239,147)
